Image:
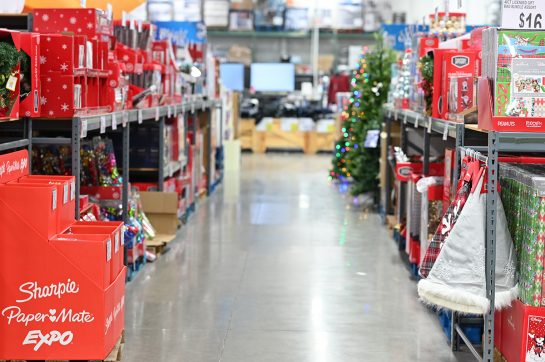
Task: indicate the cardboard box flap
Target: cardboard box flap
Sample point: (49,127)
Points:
(159,202)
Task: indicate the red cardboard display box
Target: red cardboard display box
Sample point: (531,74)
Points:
(90,22)
(521,333)
(438,100)
(454,64)
(58,301)
(404,170)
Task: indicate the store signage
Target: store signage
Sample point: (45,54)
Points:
(523,14)
(13,166)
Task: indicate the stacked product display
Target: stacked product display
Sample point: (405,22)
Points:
(467,189)
(63,280)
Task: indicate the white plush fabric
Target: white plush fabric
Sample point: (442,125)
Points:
(457,279)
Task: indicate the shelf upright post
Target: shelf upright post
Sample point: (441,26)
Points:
(388,186)
(76,158)
(459,141)
(125,166)
(490,254)
(426,152)
(401,207)
(209,150)
(161,154)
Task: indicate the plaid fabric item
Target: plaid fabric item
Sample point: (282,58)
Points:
(443,230)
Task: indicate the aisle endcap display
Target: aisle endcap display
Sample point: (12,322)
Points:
(57,283)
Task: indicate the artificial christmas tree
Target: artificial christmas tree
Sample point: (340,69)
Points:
(375,78)
(353,160)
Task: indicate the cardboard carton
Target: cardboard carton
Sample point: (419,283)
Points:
(162,210)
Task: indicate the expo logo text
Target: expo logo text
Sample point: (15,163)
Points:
(37,338)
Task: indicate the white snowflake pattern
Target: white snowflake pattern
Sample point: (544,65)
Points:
(61,15)
(48,38)
(45,17)
(43,59)
(73,20)
(64,46)
(64,67)
(43,100)
(64,86)
(478,266)
(89,25)
(89,11)
(65,29)
(441,271)
(125,58)
(51,113)
(79,30)
(48,79)
(64,107)
(509,270)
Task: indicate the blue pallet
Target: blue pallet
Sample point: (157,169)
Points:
(474,333)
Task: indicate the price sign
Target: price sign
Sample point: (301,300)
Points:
(203,106)
(114,121)
(102,124)
(156,114)
(169,112)
(192,107)
(125,119)
(429,124)
(83,128)
(395,115)
(140,117)
(527,14)
(405,119)
(416,121)
(445,132)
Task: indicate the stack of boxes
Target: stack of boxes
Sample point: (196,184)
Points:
(74,69)
(77,266)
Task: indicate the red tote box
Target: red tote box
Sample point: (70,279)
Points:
(66,199)
(42,216)
(114,230)
(92,251)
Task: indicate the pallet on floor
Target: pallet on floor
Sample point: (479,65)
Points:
(115,355)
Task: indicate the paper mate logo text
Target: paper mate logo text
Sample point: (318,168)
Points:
(534,124)
(460,61)
(39,338)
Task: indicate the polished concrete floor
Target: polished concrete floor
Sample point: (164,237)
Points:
(278,266)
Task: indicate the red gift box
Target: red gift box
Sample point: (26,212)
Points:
(426,45)
(404,170)
(454,64)
(90,22)
(30,105)
(438,100)
(521,333)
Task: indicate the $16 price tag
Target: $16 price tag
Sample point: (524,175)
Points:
(527,14)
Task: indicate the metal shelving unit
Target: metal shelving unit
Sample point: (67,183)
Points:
(486,146)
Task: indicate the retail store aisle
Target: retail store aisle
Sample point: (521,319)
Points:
(276,267)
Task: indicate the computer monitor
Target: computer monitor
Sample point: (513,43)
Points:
(232,76)
(273,77)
